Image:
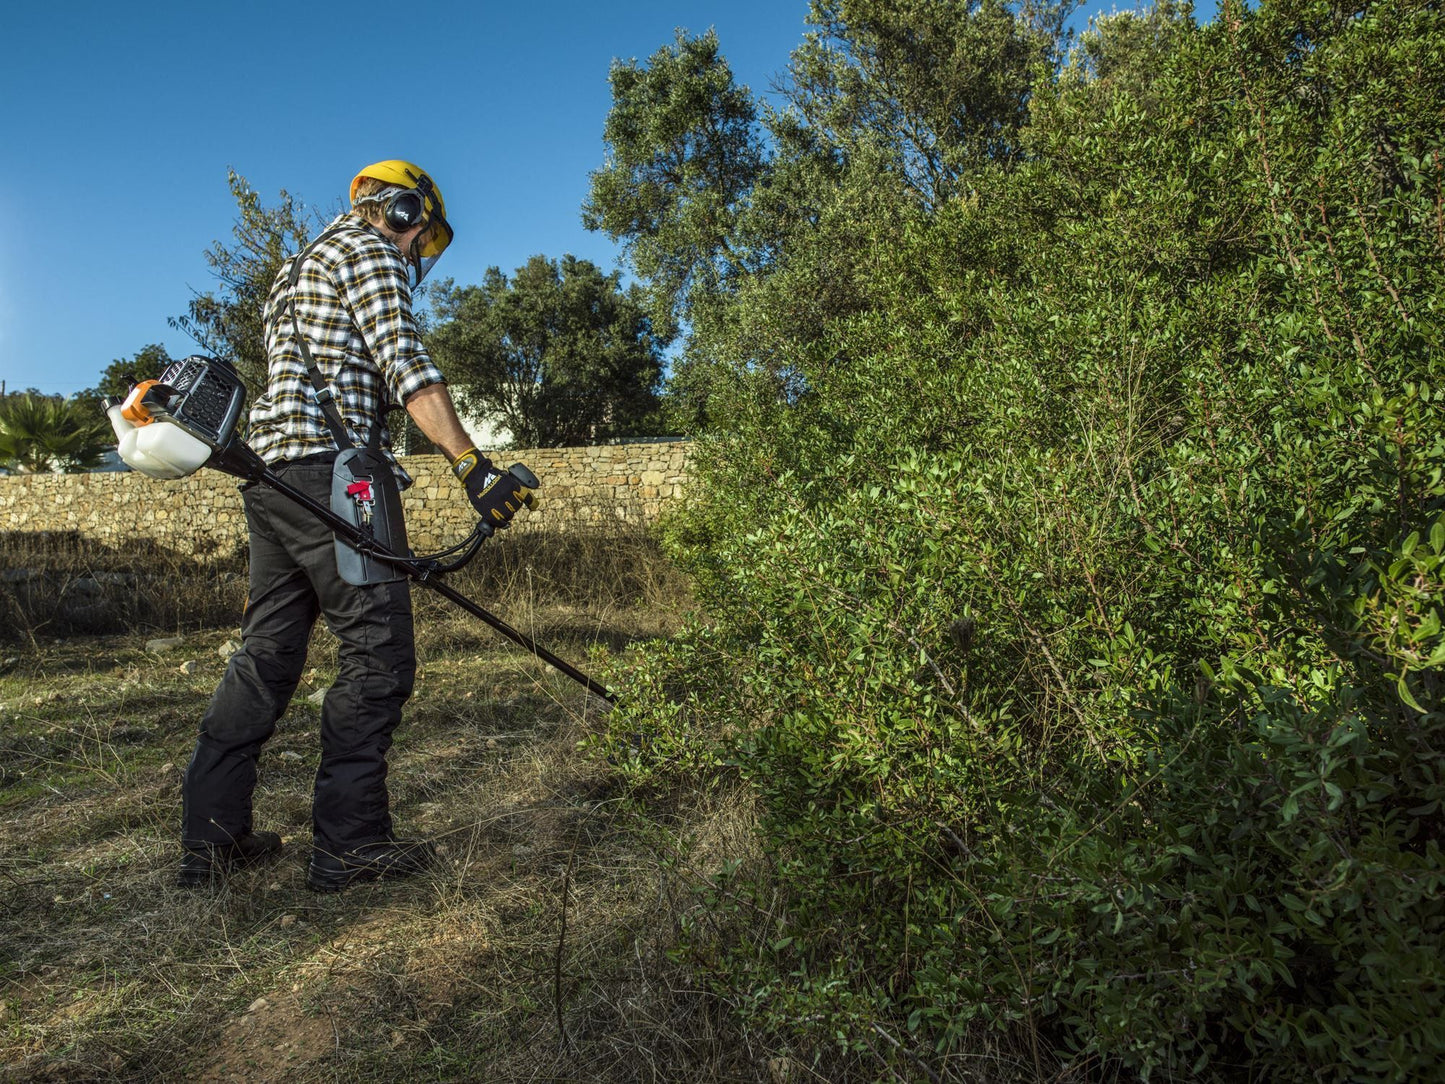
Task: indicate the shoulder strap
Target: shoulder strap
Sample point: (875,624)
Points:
(325,398)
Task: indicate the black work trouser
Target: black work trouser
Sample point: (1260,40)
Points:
(293,578)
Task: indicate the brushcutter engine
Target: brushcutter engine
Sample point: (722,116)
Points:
(186,420)
(207,398)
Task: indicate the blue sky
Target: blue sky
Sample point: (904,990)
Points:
(121,120)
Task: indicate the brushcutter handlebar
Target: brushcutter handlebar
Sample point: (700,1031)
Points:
(520,491)
(497,495)
(523,475)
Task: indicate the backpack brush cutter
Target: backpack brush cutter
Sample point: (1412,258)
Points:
(187,420)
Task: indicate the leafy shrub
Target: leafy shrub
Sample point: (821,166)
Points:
(1075,609)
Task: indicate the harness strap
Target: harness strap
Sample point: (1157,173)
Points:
(325,397)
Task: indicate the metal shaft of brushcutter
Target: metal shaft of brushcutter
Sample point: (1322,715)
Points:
(426,576)
(198,401)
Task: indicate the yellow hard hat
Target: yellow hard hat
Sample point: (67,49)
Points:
(418,196)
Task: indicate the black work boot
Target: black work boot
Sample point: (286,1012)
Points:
(369,862)
(208,865)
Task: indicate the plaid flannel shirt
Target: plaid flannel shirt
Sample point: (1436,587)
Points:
(353,303)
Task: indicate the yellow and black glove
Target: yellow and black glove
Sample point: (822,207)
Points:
(497,495)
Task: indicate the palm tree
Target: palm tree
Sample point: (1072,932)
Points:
(40,433)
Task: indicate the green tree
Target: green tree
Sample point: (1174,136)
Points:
(559,353)
(683,151)
(756,228)
(40,434)
(227,321)
(147,364)
(1124,53)
(940,86)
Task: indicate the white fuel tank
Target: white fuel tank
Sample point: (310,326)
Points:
(159,449)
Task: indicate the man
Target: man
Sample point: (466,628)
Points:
(342,345)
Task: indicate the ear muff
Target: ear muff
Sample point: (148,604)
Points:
(407,207)
(404,210)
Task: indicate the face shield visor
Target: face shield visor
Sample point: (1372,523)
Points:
(429,245)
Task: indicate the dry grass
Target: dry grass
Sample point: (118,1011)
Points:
(540,951)
(55,584)
(59,584)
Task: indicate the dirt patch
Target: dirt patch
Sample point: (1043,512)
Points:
(272,1041)
(288,1029)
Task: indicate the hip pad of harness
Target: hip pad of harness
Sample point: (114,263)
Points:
(364,493)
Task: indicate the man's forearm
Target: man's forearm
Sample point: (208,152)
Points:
(432,410)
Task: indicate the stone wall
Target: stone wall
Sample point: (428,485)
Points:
(202,514)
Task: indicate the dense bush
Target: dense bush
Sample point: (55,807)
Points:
(1074,598)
